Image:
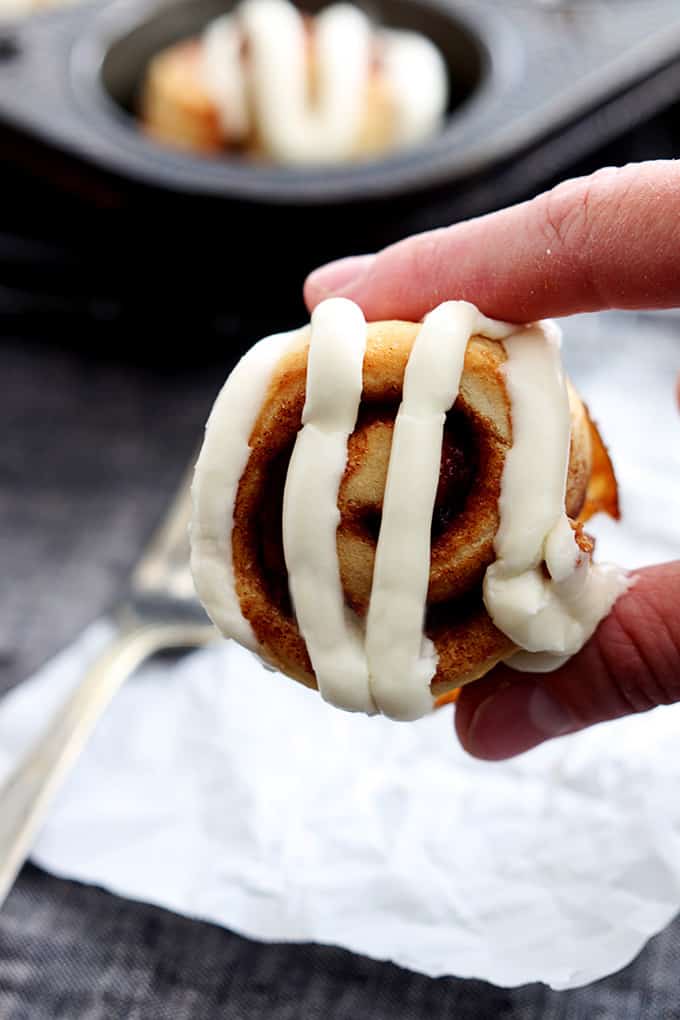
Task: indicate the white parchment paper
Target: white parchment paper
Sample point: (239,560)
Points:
(225,792)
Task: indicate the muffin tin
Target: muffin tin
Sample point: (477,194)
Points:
(517,70)
(535,86)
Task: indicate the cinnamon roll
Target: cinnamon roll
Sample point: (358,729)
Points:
(385,511)
(275,84)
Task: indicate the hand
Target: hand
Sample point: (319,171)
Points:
(611,240)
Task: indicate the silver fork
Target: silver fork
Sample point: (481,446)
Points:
(159,612)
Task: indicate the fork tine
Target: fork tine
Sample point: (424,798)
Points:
(163,567)
(27,792)
(161,583)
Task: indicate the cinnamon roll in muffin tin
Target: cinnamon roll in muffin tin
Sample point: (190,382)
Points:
(271,83)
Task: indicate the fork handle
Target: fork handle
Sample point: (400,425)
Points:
(27,793)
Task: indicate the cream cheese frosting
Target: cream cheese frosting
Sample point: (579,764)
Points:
(310,505)
(541,591)
(223,457)
(415,70)
(402,660)
(221,64)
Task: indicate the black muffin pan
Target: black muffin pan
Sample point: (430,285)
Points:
(518,71)
(130,223)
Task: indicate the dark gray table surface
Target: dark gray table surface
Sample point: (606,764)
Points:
(91,451)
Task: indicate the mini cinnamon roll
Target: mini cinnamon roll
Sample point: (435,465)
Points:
(386,511)
(277,85)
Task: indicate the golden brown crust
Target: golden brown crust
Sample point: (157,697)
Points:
(175,106)
(478,434)
(602,494)
(580,455)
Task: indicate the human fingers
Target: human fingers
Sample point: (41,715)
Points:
(631,664)
(610,240)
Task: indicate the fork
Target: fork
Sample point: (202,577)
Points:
(159,612)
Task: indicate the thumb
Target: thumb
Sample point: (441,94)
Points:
(606,241)
(631,664)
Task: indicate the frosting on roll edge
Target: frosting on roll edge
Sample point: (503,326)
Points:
(542,590)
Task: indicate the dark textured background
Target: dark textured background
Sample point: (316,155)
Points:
(91,450)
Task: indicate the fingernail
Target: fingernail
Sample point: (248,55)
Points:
(337,276)
(514,719)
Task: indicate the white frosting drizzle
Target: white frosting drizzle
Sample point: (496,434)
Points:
(311,517)
(221,463)
(548,617)
(419,83)
(555,615)
(402,661)
(223,76)
(295,131)
(274,79)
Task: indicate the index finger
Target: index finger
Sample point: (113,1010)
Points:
(611,240)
